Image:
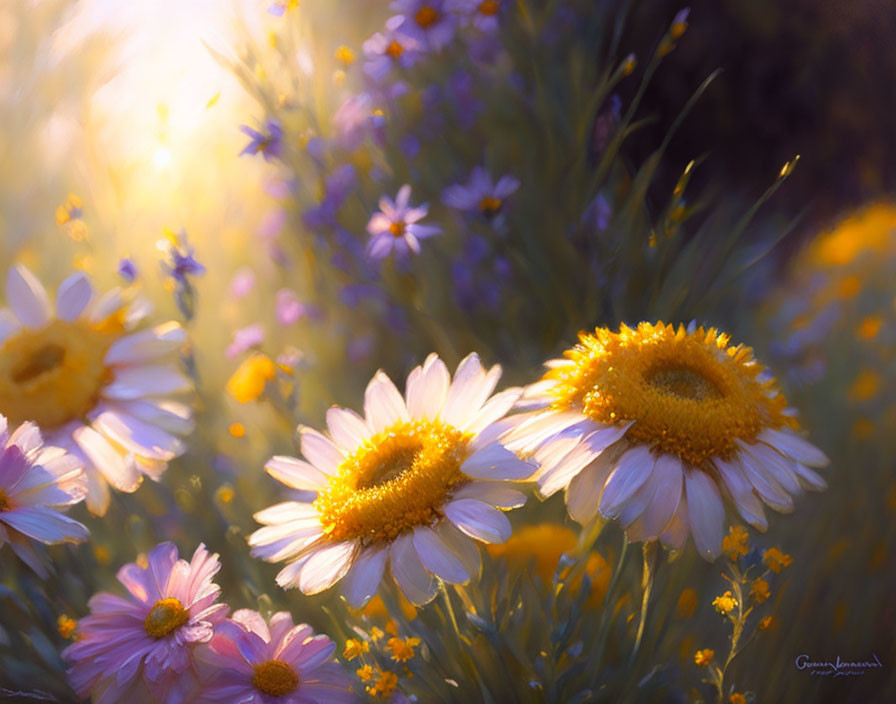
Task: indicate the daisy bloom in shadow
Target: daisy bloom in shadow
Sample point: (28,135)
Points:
(652,426)
(259,663)
(36,482)
(412,485)
(96,380)
(142,648)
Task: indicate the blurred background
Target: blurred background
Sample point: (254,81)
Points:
(121,121)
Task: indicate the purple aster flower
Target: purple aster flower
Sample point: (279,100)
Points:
(482,14)
(280,7)
(127,269)
(143,647)
(480,194)
(244,339)
(260,663)
(428,21)
(386,49)
(268,142)
(396,226)
(180,262)
(242,283)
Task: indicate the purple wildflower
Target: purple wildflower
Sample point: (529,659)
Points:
(428,21)
(396,226)
(269,142)
(127,269)
(289,308)
(244,339)
(242,283)
(480,194)
(386,49)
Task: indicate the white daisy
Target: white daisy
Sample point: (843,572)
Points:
(414,484)
(94,379)
(36,481)
(653,426)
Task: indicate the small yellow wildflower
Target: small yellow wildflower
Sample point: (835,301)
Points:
(66,626)
(704,657)
(366,673)
(344,55)
(865,386)
(869,327)
(725,603)
(392,627)
(355,648)
(759,591)
(225,493)
(237,430)
(737,699)
(250,378)
(376,634)
(402,650)
(385,684)
(101,553)
(736,543)
(776,560)
(766,623)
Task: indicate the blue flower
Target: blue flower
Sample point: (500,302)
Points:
(269,143)
(480,194)
(396,226)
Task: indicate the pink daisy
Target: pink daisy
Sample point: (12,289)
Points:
(142,648)
(36,481)
(261,663)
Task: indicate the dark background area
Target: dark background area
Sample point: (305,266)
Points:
(810,77)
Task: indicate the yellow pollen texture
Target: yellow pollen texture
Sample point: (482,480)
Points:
(4,501)
(397,480)
(165,616)
(275,678)
(690,394)
(394,49)
(490,205)
(426,16)
(54,374)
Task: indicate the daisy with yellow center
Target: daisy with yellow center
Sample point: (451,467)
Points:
(94,379)
(413,484)
(653,425)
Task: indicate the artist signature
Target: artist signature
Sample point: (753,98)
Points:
(837,667)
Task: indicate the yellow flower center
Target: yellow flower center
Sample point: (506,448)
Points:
(394,49)
(165,616)
(5,503)
(54,374)
(690,395)
(275,678)
(397,229)
(397,480)
(489,7)
(489,205)
(426,16)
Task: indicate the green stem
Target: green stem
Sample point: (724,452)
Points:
(651,562)
(607,615)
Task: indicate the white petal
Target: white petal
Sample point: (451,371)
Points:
(73,296)
(284,541)
(152,380)
(296,473)
(676,533)
(478,520)
(427,387)
(810,479)
(791,444)
(467,550)
(45,525)
(106,305)
(285,512)
(168,415)
(765,484)
(706,513)
(347,428)
(324,567)
(411,577)
(119,470)
(499,494)
(590,447)
(137,436)
(97,492)
(631,472)
(494,409)
(779,466)
(147,345)
(437,557)
(496,462)
(364,577)
(320,451)
(584,491)
(664,489)
(536,428)
(27,297)
(383,405)
(468,391)
(741,491)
